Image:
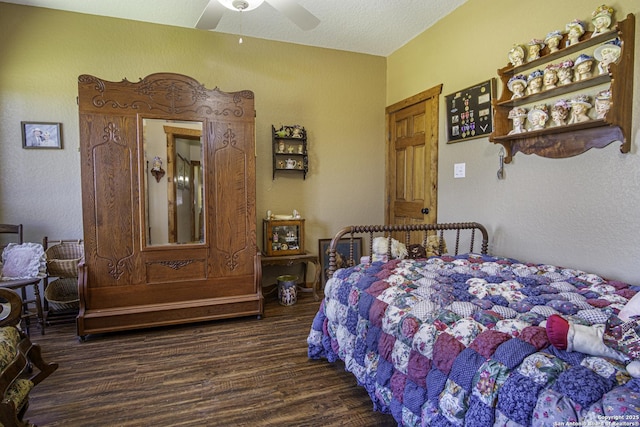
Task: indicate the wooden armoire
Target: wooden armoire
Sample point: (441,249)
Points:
(128,281)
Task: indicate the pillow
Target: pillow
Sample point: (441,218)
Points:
(631,308)
(23,261)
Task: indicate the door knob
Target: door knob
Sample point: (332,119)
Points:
(425,211)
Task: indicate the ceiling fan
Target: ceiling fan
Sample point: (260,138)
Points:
(289,8)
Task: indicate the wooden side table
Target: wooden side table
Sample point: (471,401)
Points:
(303,259)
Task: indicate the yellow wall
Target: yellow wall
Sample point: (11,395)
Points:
(580,212)
(338,96)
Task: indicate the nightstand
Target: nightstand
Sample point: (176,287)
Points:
(304,259)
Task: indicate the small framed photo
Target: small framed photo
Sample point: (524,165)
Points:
(342,254)
(41,135)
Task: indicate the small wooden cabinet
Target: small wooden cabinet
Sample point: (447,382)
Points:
(289,147)
(572,139)
(283,237)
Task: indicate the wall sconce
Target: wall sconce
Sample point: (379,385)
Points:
(157,170)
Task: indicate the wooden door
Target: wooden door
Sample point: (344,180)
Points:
(412,159)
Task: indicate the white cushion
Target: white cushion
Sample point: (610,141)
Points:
(23,261)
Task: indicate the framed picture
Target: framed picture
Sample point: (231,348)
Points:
(342,254)
(41,135)
(469,112)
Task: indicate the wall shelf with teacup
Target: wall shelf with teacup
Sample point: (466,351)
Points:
(289,146)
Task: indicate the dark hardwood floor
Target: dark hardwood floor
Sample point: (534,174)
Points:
(240,372)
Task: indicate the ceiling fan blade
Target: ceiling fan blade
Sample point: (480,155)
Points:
(296,13)
(211,15)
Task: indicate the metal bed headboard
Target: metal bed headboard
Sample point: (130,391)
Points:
(409,231)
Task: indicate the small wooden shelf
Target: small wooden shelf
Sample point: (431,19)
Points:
(290,153)
(574,139)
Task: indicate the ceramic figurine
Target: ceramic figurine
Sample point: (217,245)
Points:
(534,48)
(281,147)
(579,108)
(534,82)
(538,117)
(575,30)
(607,54)
(517,85)
(297,132)
(603,103)
(560,113)
(518,115)
(156,168)
(583,68)
(157,163)
(565,72)
(601,18)
(516,55)
(553,40)
(550,77)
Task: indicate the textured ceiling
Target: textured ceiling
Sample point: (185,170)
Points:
(376,27)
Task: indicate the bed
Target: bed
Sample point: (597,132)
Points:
(459,338)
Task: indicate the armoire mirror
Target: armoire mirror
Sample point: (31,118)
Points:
(174,202)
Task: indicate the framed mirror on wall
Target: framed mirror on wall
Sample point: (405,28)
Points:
(174,209)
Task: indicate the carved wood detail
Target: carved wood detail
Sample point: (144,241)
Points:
(169,93)
(177,264)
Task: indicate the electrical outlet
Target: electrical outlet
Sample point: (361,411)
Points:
(459,170)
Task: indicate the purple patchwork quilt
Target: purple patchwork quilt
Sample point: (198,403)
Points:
(453,341)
